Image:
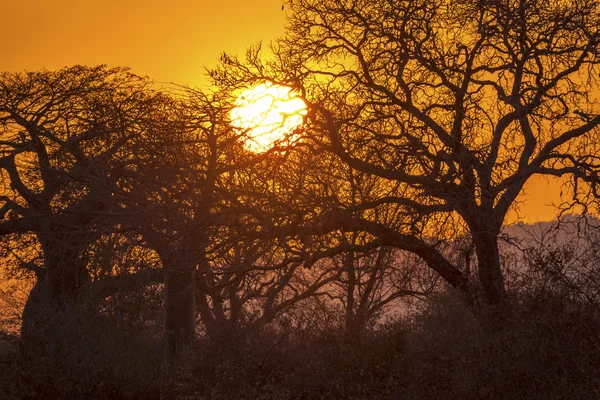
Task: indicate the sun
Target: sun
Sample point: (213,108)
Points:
(268,114)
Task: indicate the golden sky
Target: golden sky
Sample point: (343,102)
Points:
(167,40)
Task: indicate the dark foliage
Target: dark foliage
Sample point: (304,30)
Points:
(440,351)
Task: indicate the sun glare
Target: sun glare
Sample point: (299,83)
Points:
(268,114)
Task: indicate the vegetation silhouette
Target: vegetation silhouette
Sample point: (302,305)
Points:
(149,253)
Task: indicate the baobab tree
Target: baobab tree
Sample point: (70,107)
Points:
(455,105)
(63,140)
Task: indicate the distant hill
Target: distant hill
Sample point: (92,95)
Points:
(571,228)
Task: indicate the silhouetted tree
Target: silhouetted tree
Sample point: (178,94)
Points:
(453,105)
(373,282)
(63,138)
(180,196)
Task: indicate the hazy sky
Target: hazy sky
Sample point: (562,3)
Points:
(168,40)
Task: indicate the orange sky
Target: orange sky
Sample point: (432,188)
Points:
(168,40)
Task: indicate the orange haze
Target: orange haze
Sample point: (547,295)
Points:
(170,41)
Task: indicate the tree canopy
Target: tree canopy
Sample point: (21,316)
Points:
(425,119)
(453,106)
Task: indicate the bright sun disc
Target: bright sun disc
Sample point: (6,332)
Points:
(268,113)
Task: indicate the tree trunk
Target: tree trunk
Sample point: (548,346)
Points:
(33,322)
(350,289)
(490,273)
(57,286)
(206,315)
(65,266)
(180,309)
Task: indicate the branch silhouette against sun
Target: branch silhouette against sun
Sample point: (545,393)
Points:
(268,114)
(194,190)
(327,218)
(453,105)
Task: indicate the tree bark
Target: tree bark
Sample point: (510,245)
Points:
(179,263)
(180,309)
(57,286)
(489,269)
(65,266)
(351,274)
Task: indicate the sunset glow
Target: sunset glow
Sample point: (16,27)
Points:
(268,114)
(302,199)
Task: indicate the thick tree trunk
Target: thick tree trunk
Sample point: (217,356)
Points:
(33,319)
(180,308)
(65,266)
(490,272)
(57,286)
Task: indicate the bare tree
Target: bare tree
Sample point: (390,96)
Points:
(454,105)
(373,282)
(62,144)
(180,197)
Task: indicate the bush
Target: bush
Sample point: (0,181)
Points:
(535,353)
(547,348)
(83,358)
